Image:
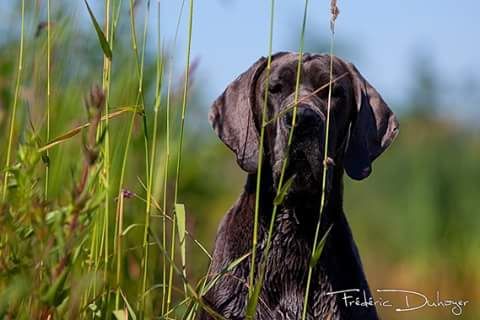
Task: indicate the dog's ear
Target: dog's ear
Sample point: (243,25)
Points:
(373,127)
(232,117)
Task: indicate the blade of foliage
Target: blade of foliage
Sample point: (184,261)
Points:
(101,36)
(180,220)
(283,192)
(129,307)
(318,251)
(130,227)
(56,293)
(120,314)
(73,132)
(227,269)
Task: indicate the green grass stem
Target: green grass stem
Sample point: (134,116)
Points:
(259,283)
(49,55)
(15,103)
(324,178)
(181,136)
(260,153)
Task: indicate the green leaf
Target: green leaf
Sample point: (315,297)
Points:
(228,268)
(318,251)
(101,36)
(180,219)
(130,227)
(102,136)
(78,250)
(56,293)
(120,314)
(283,191)
(190,313)
(73,132)
(129,307)
(180,215)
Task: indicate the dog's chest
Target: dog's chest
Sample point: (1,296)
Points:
(286,274)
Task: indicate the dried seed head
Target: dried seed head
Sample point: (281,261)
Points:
(334,12)
(329,162)
(97,97)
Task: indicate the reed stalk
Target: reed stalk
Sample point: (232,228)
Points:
(15,103)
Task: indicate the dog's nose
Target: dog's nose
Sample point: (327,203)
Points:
(306,117)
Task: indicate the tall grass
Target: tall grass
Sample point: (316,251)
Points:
(315,254)
(158,101)
(102,197)
(254,295)
(94,262)
(15,103)
(49,56)
(88,249)
(251,287)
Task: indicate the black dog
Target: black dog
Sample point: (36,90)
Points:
(361,128)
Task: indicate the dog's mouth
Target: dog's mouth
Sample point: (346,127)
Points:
(305,154)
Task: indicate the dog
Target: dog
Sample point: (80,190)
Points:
(361,127)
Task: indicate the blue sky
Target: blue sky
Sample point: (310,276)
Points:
(382,39)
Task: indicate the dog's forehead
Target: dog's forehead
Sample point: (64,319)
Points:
(284,62)
(312,63)
(321,63)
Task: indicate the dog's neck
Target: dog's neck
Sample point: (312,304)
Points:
(307,206)
(340,262)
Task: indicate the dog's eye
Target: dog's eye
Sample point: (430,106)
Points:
(275,87)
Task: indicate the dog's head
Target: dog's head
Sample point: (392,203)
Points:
(361,124)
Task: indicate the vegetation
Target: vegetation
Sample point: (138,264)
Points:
(109,203)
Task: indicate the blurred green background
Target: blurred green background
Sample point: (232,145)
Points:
(416,220)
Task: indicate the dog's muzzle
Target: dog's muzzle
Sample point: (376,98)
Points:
(306,152)
(308,120)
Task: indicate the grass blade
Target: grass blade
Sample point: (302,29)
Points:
(180,220)
(260,154)
(130,227)
(227,269)
(182,127)
(334,11)
(15,103)
(129,307)
(73,132)
(283,192)
(318,251)
(49,27)
(120,314)
(101,36)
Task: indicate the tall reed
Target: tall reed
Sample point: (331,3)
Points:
(102,249)
(49,55)
(334,11)
(254,295)
(15,102)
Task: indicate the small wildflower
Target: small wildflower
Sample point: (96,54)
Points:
(127,193)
